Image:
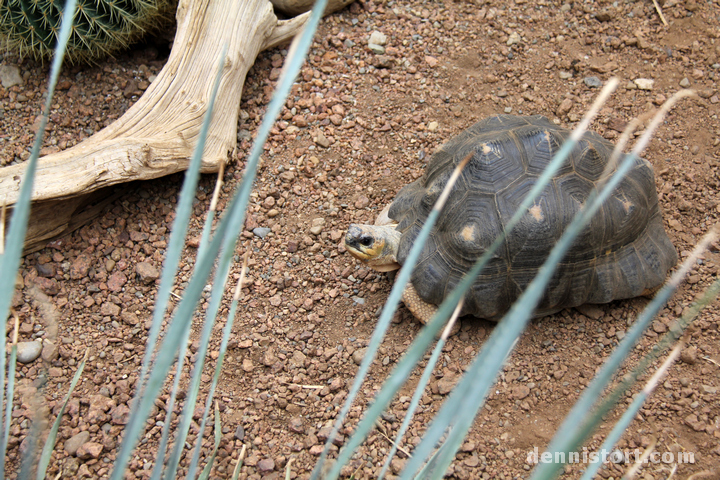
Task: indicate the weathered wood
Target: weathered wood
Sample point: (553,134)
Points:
(158,134)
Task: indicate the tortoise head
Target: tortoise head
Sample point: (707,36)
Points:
(374,245)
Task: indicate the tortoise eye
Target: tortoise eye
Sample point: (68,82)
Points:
(366,241)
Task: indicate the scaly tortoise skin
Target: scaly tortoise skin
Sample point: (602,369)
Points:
(623,252)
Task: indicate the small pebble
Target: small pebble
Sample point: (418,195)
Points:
(377,38)
(28,351)
(147,272)
(73,443)
(10,76)
(593,82)
(261,231)
(513,39)
(644,83)
(689,355)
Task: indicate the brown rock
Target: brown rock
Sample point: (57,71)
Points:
(296,425)
(591,311)
(321,139)
(266,465)
(49,286)
(247,365)
(298,359)
(73,443)
(50,351)
(89,450)
(116,281)
(689,355)
(147,272)
(110,309)
(520,391)
(129,318)
(564,107)
(362,202)
(80,267)
(120,414)
(98,406)
(446,384)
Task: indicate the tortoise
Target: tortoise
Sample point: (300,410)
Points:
(623,252)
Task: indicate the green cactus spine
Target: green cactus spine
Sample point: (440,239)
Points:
(102,27)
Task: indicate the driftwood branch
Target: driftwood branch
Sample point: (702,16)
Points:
(158,134)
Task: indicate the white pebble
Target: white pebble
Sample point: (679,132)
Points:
(514,38)
(644,83)
(377,38)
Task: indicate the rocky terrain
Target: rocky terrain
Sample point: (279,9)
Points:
(360,123)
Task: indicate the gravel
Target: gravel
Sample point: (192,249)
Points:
(354,131)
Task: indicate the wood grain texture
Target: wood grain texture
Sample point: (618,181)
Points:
(157,135)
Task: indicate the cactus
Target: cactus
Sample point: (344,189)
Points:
(102,27)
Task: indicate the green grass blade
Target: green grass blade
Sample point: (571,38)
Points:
(590,422)
(227,330)
(10,259)
(619,429)
(295,59)
(230,224)
(191,178)
(10,395)
(427,335)
(178,330)
(568,434)
(178,232)
(417,394)
(50,442)
(205,474)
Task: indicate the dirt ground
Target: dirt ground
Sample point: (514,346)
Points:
(358,126)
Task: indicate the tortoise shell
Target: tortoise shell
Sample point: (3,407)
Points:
(623,252)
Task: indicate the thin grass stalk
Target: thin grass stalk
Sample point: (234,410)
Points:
(229,225)
(427,335)
(175,340)
(10,259)
(227,330)
(50,442)
(193,389)
(239,464)
(468,395)
(205,474)
(630,474)
(383,323)
(675,332)
(207,228)
(417,394)
(10,392)
(162,448)
(567,434)
(622,425)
